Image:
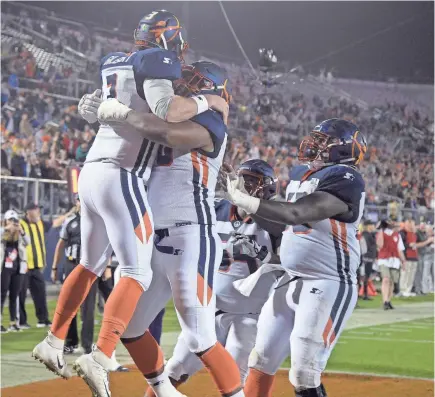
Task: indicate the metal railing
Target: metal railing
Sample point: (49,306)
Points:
(17,192)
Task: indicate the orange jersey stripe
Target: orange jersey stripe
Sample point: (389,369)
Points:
(343,237)
(138,232)
(205,170)
(195,162)
(326,331)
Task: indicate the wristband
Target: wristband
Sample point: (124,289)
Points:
(201,102)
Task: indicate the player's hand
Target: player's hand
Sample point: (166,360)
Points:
(228,171)
(112,111)
(88,106)
(239,198)
(250,247)
(54,275)
(219,104)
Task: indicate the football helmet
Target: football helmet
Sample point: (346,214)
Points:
(161,29)
(333,141)
(260,179)
(203,77)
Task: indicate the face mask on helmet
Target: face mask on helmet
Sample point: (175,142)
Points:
(259,186)
(320,150)
(193,82)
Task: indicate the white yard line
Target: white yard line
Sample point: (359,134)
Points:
(387,339)
(371,375)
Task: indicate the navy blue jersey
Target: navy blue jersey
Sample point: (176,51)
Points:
(215,125)
(152,63)
(329,248)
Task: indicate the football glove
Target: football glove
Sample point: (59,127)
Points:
(112,110)
(88,106)
(250,247)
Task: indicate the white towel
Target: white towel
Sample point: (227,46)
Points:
(246,285)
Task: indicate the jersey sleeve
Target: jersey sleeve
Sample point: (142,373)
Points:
(216,127)
(155,64)
(347,185)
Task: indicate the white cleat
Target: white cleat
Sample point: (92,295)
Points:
(50,353)
(94,369)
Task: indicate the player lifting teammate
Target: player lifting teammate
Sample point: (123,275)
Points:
(308,309)
(115,211)
(187,249)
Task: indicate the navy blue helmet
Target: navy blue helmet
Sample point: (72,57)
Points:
(333,141)
(161,29)
(203,77)
(260,179)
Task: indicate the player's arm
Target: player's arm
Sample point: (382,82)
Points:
(173,108)
(312,208)
(337,196)
(154,73)
(274,228)
(186,135)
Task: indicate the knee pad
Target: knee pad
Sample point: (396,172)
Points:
(261,363)
(176,372)
(198,343)
(305,377)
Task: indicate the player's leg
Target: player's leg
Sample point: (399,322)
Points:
(241,339)
(95,252)
(128,221)
(143,348)
(321,314)
(191,275)
(183,363)
(272,344)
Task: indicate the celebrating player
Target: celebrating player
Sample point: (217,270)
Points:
(115,211)
(187,249)
(307,311)
(247,247)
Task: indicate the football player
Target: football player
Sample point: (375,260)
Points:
(187,250)
(115,211)
(307,311)
(247,247)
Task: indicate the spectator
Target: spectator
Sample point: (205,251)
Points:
(25,128)
(369,253)
(390,257)
(36,228)
(407,276)
(424,245)
(14,266)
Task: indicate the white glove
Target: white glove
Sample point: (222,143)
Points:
(240,199)
(112,110)
(88,106)
(250,247)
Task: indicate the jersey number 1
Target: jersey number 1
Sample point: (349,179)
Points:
(110,87)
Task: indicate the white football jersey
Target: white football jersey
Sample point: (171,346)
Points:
(182,185)
(123,77)
(329,248)
(238,266)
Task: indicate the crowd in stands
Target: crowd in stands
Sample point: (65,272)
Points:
(41,134)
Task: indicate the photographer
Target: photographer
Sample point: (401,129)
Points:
(14,265)
(390,259)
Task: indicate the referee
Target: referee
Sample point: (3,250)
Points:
(34,227)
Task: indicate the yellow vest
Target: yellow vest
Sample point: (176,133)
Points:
(36,249)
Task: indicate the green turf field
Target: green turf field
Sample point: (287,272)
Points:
(399,348)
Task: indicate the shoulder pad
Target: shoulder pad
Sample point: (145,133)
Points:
(157,63)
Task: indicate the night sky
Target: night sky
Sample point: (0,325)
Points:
(300,32)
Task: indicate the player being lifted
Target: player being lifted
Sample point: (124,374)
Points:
(187,249)
(308,309)
(247,246)
(115,211)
